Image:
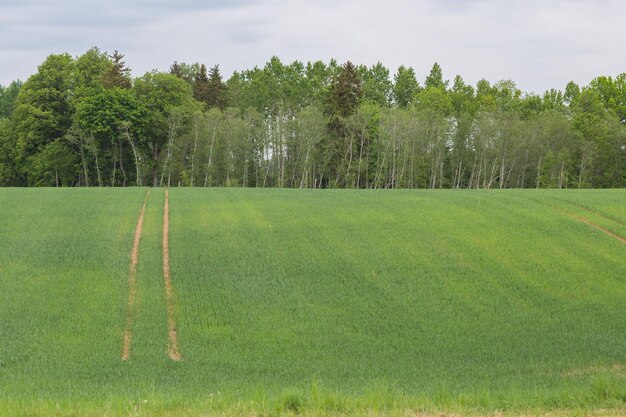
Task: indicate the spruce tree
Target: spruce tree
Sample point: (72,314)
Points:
(216,90)
(175,69)
(119,74)
(342,101)
(345,92)
(201,86)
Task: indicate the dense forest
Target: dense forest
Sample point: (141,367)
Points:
(85,121)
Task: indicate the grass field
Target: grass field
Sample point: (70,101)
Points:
(314,302)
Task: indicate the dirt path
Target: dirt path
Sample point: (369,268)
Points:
(132,282)
(584,220)
(172,346)
(600,228)
(594,212)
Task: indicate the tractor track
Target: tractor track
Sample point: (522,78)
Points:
(173,350)
(581,219)
(132,283)
(598,227)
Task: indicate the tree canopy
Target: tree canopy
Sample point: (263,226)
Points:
(85,121)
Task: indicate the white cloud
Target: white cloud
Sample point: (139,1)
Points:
(539,44)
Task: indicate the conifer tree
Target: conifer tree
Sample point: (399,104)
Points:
(175,69)
(119,74)
(216,95)
(201,86)
(345,92)
(342,101)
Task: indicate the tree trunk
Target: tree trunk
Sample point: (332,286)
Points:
(82,157)
(98,169)
(539,172)
(195,146)
(208,166)
(155,157)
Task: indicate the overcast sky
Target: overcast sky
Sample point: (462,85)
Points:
(539,44)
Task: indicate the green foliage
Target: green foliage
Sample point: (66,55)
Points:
(184,71)
(247,132)
(114,123)
(572,91)
(168,100)
(405,87)
(8,97)
(435,100)
(117,75)
(42,111)
(345,93)
(200,85)
(342,101)
(377,87)
(462,97)
(7,159)
(319,77)
(553,100)
(103,115)
(210,89)
(89,75)
(55,165)
(217,89)
(435,78)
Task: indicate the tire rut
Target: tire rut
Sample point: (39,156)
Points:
(584,220)
(597,226)
(173,350)
(132,283)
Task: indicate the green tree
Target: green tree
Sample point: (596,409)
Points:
(184,71)
(115,120)
(54,165)
(612,93)
(345,93)
(201,86)
(377,87)
(168,100)
(462,97)
(603,149)
(318,76)
(435,78)
(485,95)
(434,100)
(8,173)
(118,74)
(572,91)
(88,74)
(8,97)
(405,87)
(342,101)
(176,70)
(553,100)
(42,110)
(216,94)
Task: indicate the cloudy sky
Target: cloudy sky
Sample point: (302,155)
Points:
(537,43)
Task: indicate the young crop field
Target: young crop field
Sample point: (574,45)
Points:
(137,302)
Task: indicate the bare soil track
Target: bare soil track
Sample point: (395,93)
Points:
(600,228)
(132,282)
(594,212)
(585,220)
(172,347)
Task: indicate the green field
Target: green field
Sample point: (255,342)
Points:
(318,302)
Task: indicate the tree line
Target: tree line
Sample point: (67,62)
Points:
(85,121)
